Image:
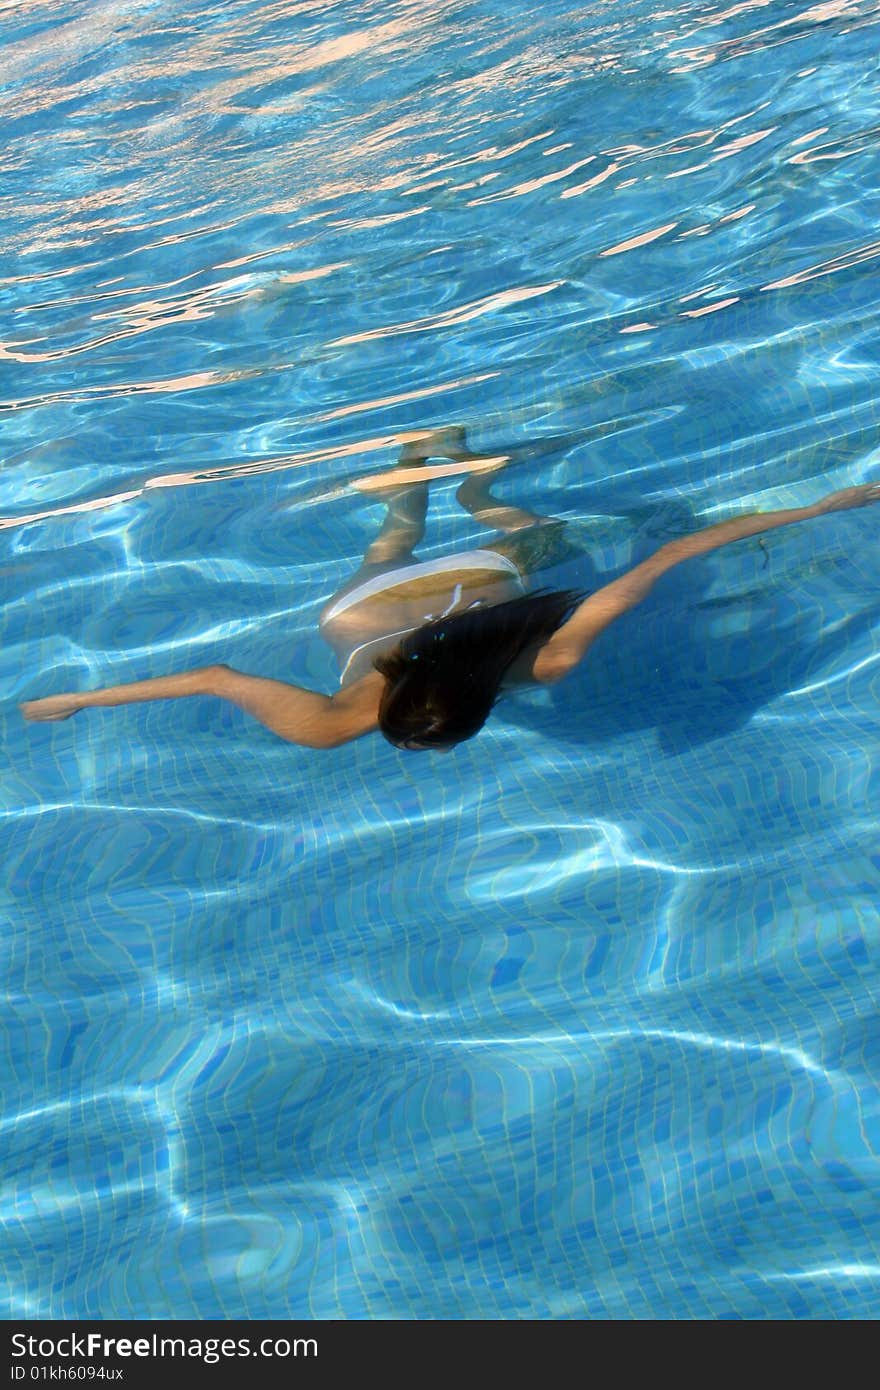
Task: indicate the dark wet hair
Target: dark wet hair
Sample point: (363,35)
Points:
(444,678)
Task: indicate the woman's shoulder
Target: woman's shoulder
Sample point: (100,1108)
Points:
(356,706)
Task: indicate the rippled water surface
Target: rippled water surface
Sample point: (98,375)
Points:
(581,1020)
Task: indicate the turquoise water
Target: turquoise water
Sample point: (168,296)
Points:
(579,1021)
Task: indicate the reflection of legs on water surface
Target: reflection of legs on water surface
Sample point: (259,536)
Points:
(529,540)
(474,493)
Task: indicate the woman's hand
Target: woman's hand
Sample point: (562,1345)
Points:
(53,707)
(849,497)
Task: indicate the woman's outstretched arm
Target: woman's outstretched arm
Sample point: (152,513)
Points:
(570,643)
(299,716)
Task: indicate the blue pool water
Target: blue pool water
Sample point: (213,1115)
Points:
(580,1021)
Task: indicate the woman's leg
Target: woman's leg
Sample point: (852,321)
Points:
(476,497)
(406,509)
(532,542)
(407,505)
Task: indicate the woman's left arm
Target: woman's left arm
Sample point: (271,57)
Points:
(570,643)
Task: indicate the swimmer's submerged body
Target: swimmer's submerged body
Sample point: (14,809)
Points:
(426,647)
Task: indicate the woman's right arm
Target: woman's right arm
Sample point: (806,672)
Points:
(296,715)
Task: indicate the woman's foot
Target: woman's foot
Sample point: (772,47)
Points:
(450,442)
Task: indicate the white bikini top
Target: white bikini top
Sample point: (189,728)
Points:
(380,583)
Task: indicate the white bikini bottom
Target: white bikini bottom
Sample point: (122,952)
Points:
(405,574)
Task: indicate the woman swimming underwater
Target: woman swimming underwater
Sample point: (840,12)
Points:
(426,647)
